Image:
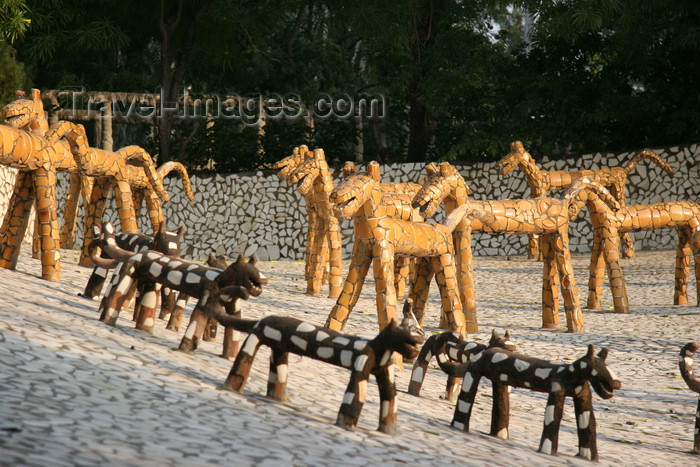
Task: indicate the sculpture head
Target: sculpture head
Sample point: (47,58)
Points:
(168,242)
(442,181)
(586,191)
(357,189)
(216,261)
(26,113)
(398,339)
(245,274)
(501,342)
(309,170)
(602,378)
(517,155)
(287,165)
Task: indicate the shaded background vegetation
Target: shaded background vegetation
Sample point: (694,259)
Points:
(462,79)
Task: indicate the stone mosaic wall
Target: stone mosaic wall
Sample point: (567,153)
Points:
(259,214)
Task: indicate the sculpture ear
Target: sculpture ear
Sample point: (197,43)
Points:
(445,169)
(253,260)
(431,168)
(181,231)
(603,354)
(374,171)
(591,351)
(517,146)
(211,256)
(319,155)
(507,336)
(349,169)
(240,259)
(494,334)
(36,94)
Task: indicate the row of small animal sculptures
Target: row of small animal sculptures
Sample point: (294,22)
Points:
(147,264)
(38,151)
(389,232)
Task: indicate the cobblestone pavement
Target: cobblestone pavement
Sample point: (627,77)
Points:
(74,391)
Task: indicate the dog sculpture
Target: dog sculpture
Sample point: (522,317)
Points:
(685,363)
(541,181)
(452,354)
(363,357)
(193,279)
(559,380)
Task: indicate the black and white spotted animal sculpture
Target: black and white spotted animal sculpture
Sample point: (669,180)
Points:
(452,354)
(559,380)
(685,363)
(164,241)
(363,357)
(191,278)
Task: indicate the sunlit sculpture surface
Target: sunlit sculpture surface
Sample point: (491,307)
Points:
(547,217)
(363,357)
(541,181)
(379,239)
(508,369)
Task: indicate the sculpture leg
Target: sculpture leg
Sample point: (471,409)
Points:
(617,280)
(310,236)
(95,283)
(335,258)
(359,266)
(353,400)
(420,288)
(402,267)
(125,207)
(147,307)
(562,253)
(316,270)
(383,254)
(168,299)
(617,190)
(420,366)
(70,212)
(119,294)
(14,225)
(178,312)
(231,336)
(680,295)
(465,401)
(550,293)
(277,380)
(238,376)
(93,215)
(596,268)
(194,330)
(45,186)
(113,283)
(696,439)
(444,269)
(549,443)
(585,424)
(155,210)
(500,413)
(465,271)
(533,247)
(387,397)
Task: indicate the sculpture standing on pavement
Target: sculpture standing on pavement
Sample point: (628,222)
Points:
(363,357)
(547,217)
(558,380)
(685,363)
(453,354)
(379,239)
(189,277)
(315,182)
(27,144)
(541,181)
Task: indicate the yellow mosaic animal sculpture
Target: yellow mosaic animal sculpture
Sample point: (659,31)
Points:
(542,181)
(379,239)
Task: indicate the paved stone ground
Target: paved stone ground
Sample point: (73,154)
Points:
(74,391)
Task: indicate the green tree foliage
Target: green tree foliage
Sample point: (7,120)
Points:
(13,19)
(12,75)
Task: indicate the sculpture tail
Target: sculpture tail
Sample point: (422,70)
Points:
(456,216)
(223,297)
(647,154)
(168,167)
